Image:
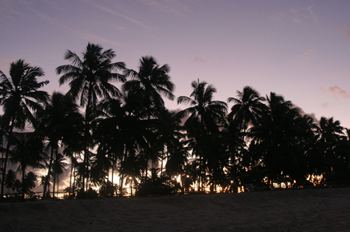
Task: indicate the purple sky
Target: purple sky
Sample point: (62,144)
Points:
(299,49)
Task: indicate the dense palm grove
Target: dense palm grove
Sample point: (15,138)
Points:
(97,130)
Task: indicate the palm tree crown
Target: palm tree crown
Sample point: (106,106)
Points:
(248,107)
(90,76)
(203,109)
(20,94)
(152,79)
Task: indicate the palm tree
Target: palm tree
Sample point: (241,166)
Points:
(131,168)
(151,79)
(60,122)
(276,139)
(330,131)
(330,136)
(28,152)
(20,96)
(108,131)
(144,93)
(168,136)
(29,183)
(58,166)
(205,117)
(10,180)
(203,110)
(247,108)
(89,79)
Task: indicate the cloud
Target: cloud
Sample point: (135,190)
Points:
(340,75)
(199,59)
(336,91)
(325,105)
(43,16)
(312,14)
(279,17)
(11,7)
(307,57)
(130,19)
(174,7)
(299,15)
(89,36)
(345,28)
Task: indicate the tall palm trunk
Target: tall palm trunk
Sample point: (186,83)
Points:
(58,185)
(6,158)
(131,187)
(121,180)
(54,185)
(86,135)
(23,182)
(47,178)
(71,176)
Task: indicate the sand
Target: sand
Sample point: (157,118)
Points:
(283,210)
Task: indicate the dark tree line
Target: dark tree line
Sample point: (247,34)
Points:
(97,130)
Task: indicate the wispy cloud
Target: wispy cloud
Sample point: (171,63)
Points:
(336,91)
(199,59)
(175,7)
(12,7)
(128,18)
(312,14)
(279,17)
(89,36)
(303,14)
(344,29)
(307,57)
(325,105)
(43,16)
(297,15)
(339,75)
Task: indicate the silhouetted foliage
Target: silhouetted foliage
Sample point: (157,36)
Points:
(129,132)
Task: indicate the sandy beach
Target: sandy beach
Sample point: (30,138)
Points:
(292,210)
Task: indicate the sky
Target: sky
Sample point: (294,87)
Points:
(298,49)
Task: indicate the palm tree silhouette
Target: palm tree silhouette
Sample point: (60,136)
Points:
(59,121)
(10,180)
(29,183)
(131,169)
(123,128)
(330,135)
(58,166)
(205,117)
(275,137)
(168,137)
(20,96)
(28,152)
(152,80)
(89,79)
(248,107)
